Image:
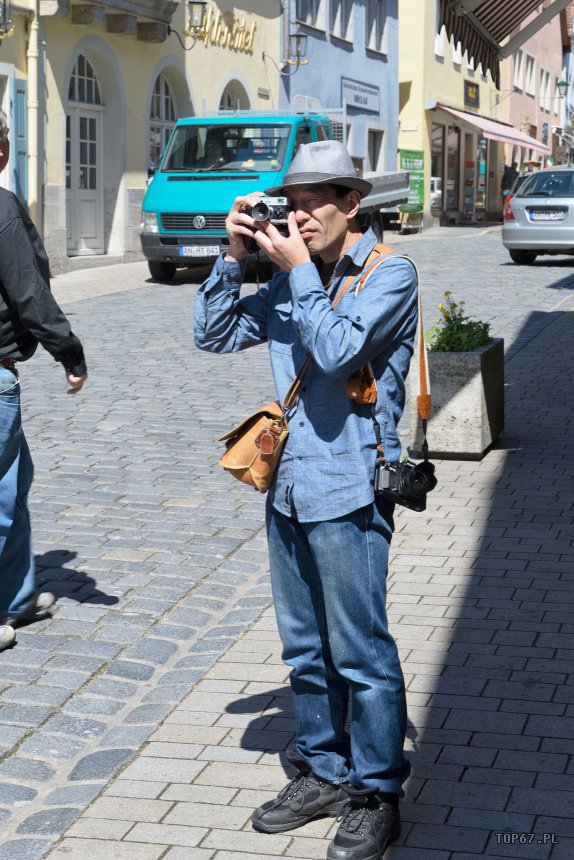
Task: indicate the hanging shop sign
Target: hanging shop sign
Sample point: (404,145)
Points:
(359,95)
(471,95)
(227,31)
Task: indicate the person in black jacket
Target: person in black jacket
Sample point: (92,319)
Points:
(29,315)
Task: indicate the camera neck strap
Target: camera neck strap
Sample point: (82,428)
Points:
(295,387)
(379,255)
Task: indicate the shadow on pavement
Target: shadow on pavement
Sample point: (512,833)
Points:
(51,575)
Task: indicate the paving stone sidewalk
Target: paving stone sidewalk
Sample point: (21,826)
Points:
(152,713)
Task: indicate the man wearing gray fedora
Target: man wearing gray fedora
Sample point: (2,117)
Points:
(328,538)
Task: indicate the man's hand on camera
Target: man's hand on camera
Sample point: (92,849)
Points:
(240,226)
(285,251)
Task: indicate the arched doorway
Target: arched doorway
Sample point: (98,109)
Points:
(162,117)
(84,172)
(234,97)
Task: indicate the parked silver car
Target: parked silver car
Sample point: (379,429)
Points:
(540,216)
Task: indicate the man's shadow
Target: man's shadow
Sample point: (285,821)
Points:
(51,575)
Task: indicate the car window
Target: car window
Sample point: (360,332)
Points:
(551,183)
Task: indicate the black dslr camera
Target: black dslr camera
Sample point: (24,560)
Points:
(405,483)
(272,209)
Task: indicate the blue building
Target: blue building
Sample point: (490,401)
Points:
(342,55)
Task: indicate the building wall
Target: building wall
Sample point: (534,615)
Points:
(432,72)
(524,109)
(373,73)
(231,52)
(227,58)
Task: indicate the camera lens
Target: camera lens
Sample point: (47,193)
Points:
(261,212)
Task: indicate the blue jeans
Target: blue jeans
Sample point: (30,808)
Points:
(16,473)
(329,588)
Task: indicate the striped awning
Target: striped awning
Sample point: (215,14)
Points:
(493,130)
(481,25)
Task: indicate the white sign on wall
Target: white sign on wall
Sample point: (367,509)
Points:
(360,95)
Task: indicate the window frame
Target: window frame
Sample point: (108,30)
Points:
(377,16)
(315,9)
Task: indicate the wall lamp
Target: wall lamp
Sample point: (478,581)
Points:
(196,18)
(6,25)
(297,54)
(297,50)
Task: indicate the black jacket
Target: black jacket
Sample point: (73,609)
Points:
(29,313)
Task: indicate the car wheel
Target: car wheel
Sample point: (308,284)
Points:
(523,258)
(161,271)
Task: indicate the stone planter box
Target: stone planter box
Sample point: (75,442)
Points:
(467,413)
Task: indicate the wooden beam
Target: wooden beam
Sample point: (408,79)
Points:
(88,14)
(149,31)
(124,25)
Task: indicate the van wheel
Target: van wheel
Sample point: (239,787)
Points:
(522,258)
(161,271)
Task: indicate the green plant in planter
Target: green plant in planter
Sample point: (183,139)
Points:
(455,332)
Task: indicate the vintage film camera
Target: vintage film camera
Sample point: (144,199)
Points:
(272,209)
(405,483)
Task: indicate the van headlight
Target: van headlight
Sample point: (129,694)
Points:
(149,222)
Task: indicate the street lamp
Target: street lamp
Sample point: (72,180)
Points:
(562,87)
(195,17)
(297,50)
(297,54)
(6,26)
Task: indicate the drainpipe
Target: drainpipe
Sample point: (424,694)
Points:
(32,55)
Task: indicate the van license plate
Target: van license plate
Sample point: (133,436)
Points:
(546,215)
(198,250)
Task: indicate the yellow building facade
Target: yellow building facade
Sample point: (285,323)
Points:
(92,91)
(453,118)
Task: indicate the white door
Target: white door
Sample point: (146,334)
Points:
(84,198)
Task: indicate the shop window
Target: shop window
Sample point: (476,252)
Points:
(376,25)
(311,12)
(437,168)
(342,19)
(84,87)
(161,120)
(452,167)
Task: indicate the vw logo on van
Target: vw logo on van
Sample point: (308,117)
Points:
(199,222)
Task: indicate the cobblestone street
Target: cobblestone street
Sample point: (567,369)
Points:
(151,713)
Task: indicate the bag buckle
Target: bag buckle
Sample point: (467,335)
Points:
(267,439)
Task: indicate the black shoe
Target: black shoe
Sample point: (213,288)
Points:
(368,826)
(306,797)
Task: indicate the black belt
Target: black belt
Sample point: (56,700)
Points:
(7,362)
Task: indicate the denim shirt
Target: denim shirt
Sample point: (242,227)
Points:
(327,466)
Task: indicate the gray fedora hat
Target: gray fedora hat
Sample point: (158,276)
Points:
(325,161)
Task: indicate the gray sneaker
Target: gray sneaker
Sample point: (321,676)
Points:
(7,636)
(307,796)
(40,607)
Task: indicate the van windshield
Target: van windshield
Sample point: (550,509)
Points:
(236,148)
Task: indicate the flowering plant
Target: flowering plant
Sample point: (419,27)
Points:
(455,332)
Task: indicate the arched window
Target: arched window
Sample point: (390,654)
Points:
(161,119)
(234,97)
(83,86)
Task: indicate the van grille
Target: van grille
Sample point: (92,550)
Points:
(183,221)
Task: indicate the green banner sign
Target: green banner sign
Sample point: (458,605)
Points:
(413,161)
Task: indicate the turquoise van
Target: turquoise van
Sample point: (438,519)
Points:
(211,160)
(208,162)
